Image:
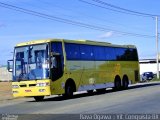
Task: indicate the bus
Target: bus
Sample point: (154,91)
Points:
(61,67)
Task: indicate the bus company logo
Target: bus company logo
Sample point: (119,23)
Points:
(28,90)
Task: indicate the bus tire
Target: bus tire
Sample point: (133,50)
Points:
(117,83)
(125,82)
(38,98)
(70,88)
(68,91)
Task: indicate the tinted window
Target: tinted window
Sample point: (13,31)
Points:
(129,55)
(99,53)
(92,52)
(86,52)
(134,54)
(72,51)
(56,47)
(110,53)
(120,54)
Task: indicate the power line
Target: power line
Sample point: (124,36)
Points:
(80,13)
(44,8)
(118,9)
(111,9)
(62,20)
(38,14)
(86,15)
(106,7)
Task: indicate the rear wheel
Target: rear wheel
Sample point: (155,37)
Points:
(125,82)
(39,98)
(117,83)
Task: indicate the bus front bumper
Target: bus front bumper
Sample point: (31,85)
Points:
(29,89)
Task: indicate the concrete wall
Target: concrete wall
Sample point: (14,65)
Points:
(5,75)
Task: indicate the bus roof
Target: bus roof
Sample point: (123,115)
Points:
(89,42)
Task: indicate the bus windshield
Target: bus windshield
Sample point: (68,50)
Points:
(31,63)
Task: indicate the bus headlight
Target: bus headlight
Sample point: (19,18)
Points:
(15,86)
(42,84)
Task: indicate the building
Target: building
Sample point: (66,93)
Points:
(148,65)
(5,75)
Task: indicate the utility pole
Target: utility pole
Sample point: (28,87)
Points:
(157,47)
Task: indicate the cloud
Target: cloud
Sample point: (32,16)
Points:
(106,35)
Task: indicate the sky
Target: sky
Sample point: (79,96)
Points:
(16,27)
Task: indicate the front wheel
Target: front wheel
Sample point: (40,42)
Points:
(68,91)
(38,98)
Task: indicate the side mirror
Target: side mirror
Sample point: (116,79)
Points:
(10,65)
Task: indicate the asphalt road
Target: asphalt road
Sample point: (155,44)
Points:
(137,99)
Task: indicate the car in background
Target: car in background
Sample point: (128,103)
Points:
(147,76)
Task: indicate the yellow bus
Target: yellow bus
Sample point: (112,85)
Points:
(62,67)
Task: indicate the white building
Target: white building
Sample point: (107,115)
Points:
(148,65)
(5,75)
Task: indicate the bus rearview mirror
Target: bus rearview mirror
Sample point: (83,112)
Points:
(10,65)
